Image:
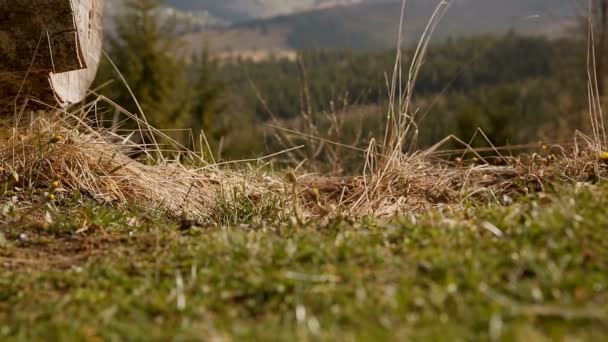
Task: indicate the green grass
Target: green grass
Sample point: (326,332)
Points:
(131,274)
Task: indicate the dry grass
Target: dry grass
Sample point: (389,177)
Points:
(97,162)
(425,182)
(39,148)
(61,146)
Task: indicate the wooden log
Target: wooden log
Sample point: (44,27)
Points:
(49,50)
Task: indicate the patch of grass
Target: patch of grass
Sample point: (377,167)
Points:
(535,270)
(240,207)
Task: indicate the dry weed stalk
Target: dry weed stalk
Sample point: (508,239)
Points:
(396,178)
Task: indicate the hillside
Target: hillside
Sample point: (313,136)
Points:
(370,25)
(204,13)
(241,10)
(194,18)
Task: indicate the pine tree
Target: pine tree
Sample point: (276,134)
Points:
(208,101)
(145,49)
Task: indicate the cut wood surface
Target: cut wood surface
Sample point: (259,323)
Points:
(49,50)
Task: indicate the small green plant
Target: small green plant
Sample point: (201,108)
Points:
(238,207)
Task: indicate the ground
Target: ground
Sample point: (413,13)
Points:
(534,270)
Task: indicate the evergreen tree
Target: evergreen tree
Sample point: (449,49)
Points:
(145,51)
(208,102)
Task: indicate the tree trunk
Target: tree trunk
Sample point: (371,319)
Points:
(49,50)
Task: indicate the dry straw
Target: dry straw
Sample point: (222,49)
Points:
(47,147)
(37,149)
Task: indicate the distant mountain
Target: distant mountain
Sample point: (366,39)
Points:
(236,11)
(213,12)
(191,17)
(253,27)
(374,24)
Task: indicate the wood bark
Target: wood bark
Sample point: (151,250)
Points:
(49,50)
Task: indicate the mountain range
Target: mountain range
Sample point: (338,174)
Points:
(243,26)
(235,11)
(226,12)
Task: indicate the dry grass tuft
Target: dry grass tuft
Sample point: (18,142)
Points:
(61,147)
(424,182)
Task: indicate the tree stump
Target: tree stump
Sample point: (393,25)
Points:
(49,51)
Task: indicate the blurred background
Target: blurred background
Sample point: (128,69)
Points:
(261,76)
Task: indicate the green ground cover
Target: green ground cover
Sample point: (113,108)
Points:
(535,270)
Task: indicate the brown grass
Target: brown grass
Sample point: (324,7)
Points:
(396,178)
(96,162)
(61,146)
